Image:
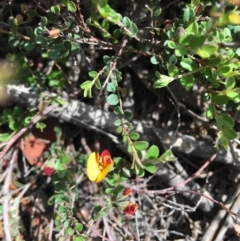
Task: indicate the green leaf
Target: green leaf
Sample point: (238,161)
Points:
(65,159)
(160,84)
(71,7)
(188,14)
(224,70)
(171,44)
(86,85)
(220,99)
(163,80)
(154,60)
(40,126)
(66,224)
(180,51)
(156,11)
(4,137)
(152,152)
(78,227)
(167,156)
(195,2)
(75,48)
(119,130)
(98,84)
(12,22)
(55,9)
(32,13)
(111,87)
(197,42)
(93,74)
(56,53)
(230,83)
(150,167)
(40,40)
(29,45)
(210,113)
(224,120)
(229,133)
(105,24)
(215,61)
(193,28)
(44,21)
(188,64)
(141,145)
(117,111)
(172,70)
(187,81)
(234,96)
(222,141)
(30,32)
(112,99)
(134,135)
(70,231)
(207,50)
(117,122)
(77,238)
(186,39)
(128,115)
(62,173)
(106,59)
(130,26)
(107,12)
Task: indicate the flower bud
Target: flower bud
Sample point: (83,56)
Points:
(131,209)
(127,191)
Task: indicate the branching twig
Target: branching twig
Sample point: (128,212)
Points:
(6,197)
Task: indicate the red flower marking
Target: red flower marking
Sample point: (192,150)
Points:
(105,158)
(131,209)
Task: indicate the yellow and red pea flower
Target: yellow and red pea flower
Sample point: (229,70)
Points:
(130,209)
(98,166)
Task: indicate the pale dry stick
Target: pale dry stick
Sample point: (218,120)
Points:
(85,145)
(237,141)
(95,231)
(6,197)
(235,158)
(197,173)
(35,119)
(223,219)
(192,114)
(119,224)
(50,233)
(137,228)
(109,233)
